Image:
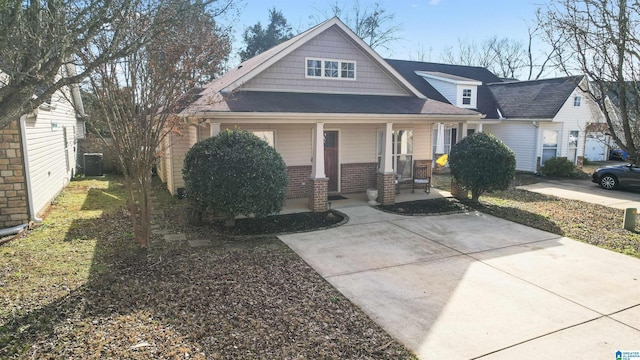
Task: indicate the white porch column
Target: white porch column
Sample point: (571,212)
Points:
(214,129)
(317,163)
(386,165)
(479,127)
(462,131)
(193,134)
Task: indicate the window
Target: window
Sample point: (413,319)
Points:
(330,69)
(348,70)
(466,96)
(314,68)
(577,100)
(267,136)
(572,154)
(402,152)
(549,145)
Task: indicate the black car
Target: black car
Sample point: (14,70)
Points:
(612,177)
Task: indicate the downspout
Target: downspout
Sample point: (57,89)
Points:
(27,174)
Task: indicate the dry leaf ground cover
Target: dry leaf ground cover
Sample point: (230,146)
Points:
(76,288)
(591,223)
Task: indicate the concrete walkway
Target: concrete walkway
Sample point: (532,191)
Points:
(586,191)
(474,286)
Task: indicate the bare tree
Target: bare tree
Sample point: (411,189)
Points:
(137,96)
(40,37)
(504,57)
(602,38)
(373,23)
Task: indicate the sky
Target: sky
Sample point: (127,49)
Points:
(428,26)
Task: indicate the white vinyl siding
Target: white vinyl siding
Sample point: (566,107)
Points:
(51,164)
(575,118)
(519,137)
(446,89)
(289,73)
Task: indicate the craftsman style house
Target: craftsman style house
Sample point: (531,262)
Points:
(342,118)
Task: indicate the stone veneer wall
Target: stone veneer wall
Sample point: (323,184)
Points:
(298,180)
(13,196)
(357,177)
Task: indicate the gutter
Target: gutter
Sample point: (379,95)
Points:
(27,173)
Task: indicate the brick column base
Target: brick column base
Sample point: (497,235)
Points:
(580,162)
(317,197)
(386,188)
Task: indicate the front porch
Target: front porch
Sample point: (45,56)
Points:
(360,199)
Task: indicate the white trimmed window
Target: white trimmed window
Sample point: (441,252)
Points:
(330,69)
(577,100)
(268,136)
(466,96)
(402,152)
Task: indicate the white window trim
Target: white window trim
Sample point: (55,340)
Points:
(253,131)
(577,101)
(322,69)
(394,156)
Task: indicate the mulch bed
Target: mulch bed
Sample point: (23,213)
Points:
(280,224)
(441,206)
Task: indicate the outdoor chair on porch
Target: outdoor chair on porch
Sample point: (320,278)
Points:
(422,176)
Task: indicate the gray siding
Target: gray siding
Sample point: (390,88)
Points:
(288,74)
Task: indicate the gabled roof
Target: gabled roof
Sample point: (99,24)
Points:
(234,78)
(486,103)
(535,99)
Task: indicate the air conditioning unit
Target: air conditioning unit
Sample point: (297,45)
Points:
(93,164)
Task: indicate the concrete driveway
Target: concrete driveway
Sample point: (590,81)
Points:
(587,191)
(474,286)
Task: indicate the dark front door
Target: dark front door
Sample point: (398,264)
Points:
(331,158)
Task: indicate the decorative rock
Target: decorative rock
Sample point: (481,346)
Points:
(175,237)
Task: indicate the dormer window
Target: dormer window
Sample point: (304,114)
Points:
(330,69)
(466,96)
(577,100)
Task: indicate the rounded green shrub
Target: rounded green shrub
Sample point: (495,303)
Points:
(481,163)
(235,173)
(559,166)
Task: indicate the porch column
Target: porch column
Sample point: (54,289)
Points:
(462,131)
(318,182)
(193,135)
(479,127)
(386,177)
(214,129)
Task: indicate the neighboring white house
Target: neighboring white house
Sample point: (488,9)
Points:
(537,119)
(542,119)
(38,155)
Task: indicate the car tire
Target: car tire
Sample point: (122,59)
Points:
(608,182)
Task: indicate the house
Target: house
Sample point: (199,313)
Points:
(542,119)
(342,118)
(537,119)
(461,86)
(38,157)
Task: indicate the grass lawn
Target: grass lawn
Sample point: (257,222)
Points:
(77,287)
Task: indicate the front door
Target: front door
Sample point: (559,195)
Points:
(331,159)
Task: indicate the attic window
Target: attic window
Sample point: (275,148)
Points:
(330,69)
(466,96)
(577,100)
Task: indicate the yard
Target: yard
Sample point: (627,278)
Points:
(76,287)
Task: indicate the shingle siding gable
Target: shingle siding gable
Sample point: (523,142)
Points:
(288,74)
